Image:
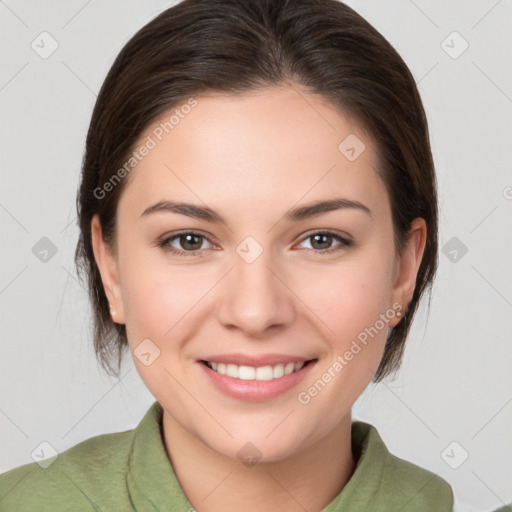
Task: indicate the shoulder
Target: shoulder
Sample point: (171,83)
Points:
(420,488)
(404,485)
(76,479)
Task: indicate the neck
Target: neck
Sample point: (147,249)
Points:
(308,480)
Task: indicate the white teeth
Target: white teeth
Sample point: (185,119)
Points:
(246,373)
(232,370)
(289,368)
(260,373)
(278,371)
(264,373)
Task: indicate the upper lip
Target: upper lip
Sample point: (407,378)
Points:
(255,360)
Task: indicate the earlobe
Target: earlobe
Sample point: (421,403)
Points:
(107,266)
(408,265)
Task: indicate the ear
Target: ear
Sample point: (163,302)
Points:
(107,266)
(407,267)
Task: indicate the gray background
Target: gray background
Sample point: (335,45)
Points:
(453,395)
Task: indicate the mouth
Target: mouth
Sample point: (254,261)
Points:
(258,373)
(255,378)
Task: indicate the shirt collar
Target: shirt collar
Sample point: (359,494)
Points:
(151,480)
(153,484)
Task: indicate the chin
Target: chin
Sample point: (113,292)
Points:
(254,446)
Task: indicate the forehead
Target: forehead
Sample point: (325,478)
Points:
(277,145)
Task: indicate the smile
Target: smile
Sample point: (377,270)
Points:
(255,378)
(267,372)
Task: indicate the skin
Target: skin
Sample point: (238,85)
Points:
(252,158)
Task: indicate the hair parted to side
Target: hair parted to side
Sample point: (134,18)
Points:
(235,46)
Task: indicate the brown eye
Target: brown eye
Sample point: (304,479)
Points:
(187,243)
(190,242)
(322,241)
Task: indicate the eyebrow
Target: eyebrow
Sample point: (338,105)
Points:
(295,214)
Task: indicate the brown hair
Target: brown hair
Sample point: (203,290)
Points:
(234,46)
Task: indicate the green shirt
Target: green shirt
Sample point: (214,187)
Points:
(130,470)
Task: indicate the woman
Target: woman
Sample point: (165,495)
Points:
(258,219)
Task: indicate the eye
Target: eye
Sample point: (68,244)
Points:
(322,241)
(190,241)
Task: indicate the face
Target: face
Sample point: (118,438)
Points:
(255,279)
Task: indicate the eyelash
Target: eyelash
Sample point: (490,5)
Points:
(164,243)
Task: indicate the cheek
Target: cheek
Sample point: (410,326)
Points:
(354,314)
(350,298)
(161,305)
(156,299)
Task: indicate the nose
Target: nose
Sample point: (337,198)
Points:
(255,297)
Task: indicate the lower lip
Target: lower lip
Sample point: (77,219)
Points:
(256,390)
